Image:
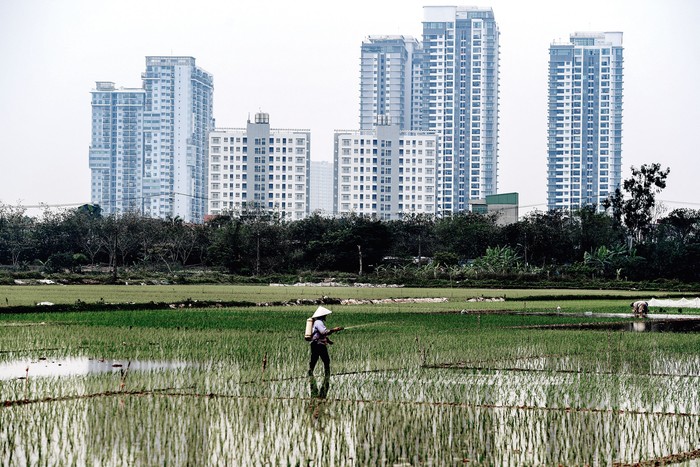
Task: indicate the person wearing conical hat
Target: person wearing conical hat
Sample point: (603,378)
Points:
(320,340)
(640,308)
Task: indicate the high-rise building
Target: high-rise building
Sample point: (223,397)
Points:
(387,80)
(459,93)
(321,188)
(385,172)
(177,120)
(585,119)
(116,148)
(259,168)
(445,85)
(149,149)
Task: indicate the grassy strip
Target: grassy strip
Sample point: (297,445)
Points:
(26,295)
(612,295)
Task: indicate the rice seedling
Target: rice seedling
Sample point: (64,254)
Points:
(412,384)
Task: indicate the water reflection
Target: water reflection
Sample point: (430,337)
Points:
(675,325)
(321,393)
(407,417)
(665,326)
(74,366)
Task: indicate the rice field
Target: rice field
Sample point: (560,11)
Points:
(411,384)
(140,292)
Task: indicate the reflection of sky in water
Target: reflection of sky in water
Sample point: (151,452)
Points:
(79,366)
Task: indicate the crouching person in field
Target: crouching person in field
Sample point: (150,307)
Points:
(640,308)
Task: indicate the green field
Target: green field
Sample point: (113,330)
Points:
(411,384)
(31,294)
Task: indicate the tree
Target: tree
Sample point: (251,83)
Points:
(596,229)
(339,245)
(499,260)
(674,246)
(306,239)
(636,211)
(682,224)
(16,232)
(52,235)
(83,224)
(262,235)
(412,235)
(118,235)
(466,234)
(601,259)
(225,247)
(545,238)
(176,241)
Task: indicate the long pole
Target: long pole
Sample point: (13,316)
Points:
(359,252)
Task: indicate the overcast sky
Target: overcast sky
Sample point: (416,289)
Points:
(299,61)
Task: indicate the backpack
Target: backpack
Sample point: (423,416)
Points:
(308,333)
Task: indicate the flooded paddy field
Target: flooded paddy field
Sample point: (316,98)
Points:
(229,386)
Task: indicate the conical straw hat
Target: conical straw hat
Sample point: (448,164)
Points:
(321,311)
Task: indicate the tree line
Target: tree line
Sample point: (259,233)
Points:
(623,242)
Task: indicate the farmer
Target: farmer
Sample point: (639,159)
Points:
(640,308)
(320,340)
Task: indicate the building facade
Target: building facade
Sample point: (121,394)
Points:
(321,188)
(385,172)
(448,84)
(177,121)
(504,205)
(116,148)
(387,80)
(460,100)
(259,168)
(149,149)
(584,157)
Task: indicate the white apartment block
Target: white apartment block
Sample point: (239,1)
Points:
(259,168)
(385,172)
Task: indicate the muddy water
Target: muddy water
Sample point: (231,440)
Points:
(78,366)
(674,325)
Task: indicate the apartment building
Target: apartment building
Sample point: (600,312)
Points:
(259,168)
(584,158)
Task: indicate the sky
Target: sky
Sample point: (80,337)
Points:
(299,61)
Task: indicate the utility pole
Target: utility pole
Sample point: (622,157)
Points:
(359,252)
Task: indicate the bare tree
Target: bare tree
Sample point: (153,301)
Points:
(15,231)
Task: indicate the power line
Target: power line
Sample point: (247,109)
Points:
(688,203)
(120,200)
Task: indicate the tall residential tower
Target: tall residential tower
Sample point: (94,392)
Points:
(116,148)
(149,150)
(387,83)
(446,85)
(585,119)
(459,94)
